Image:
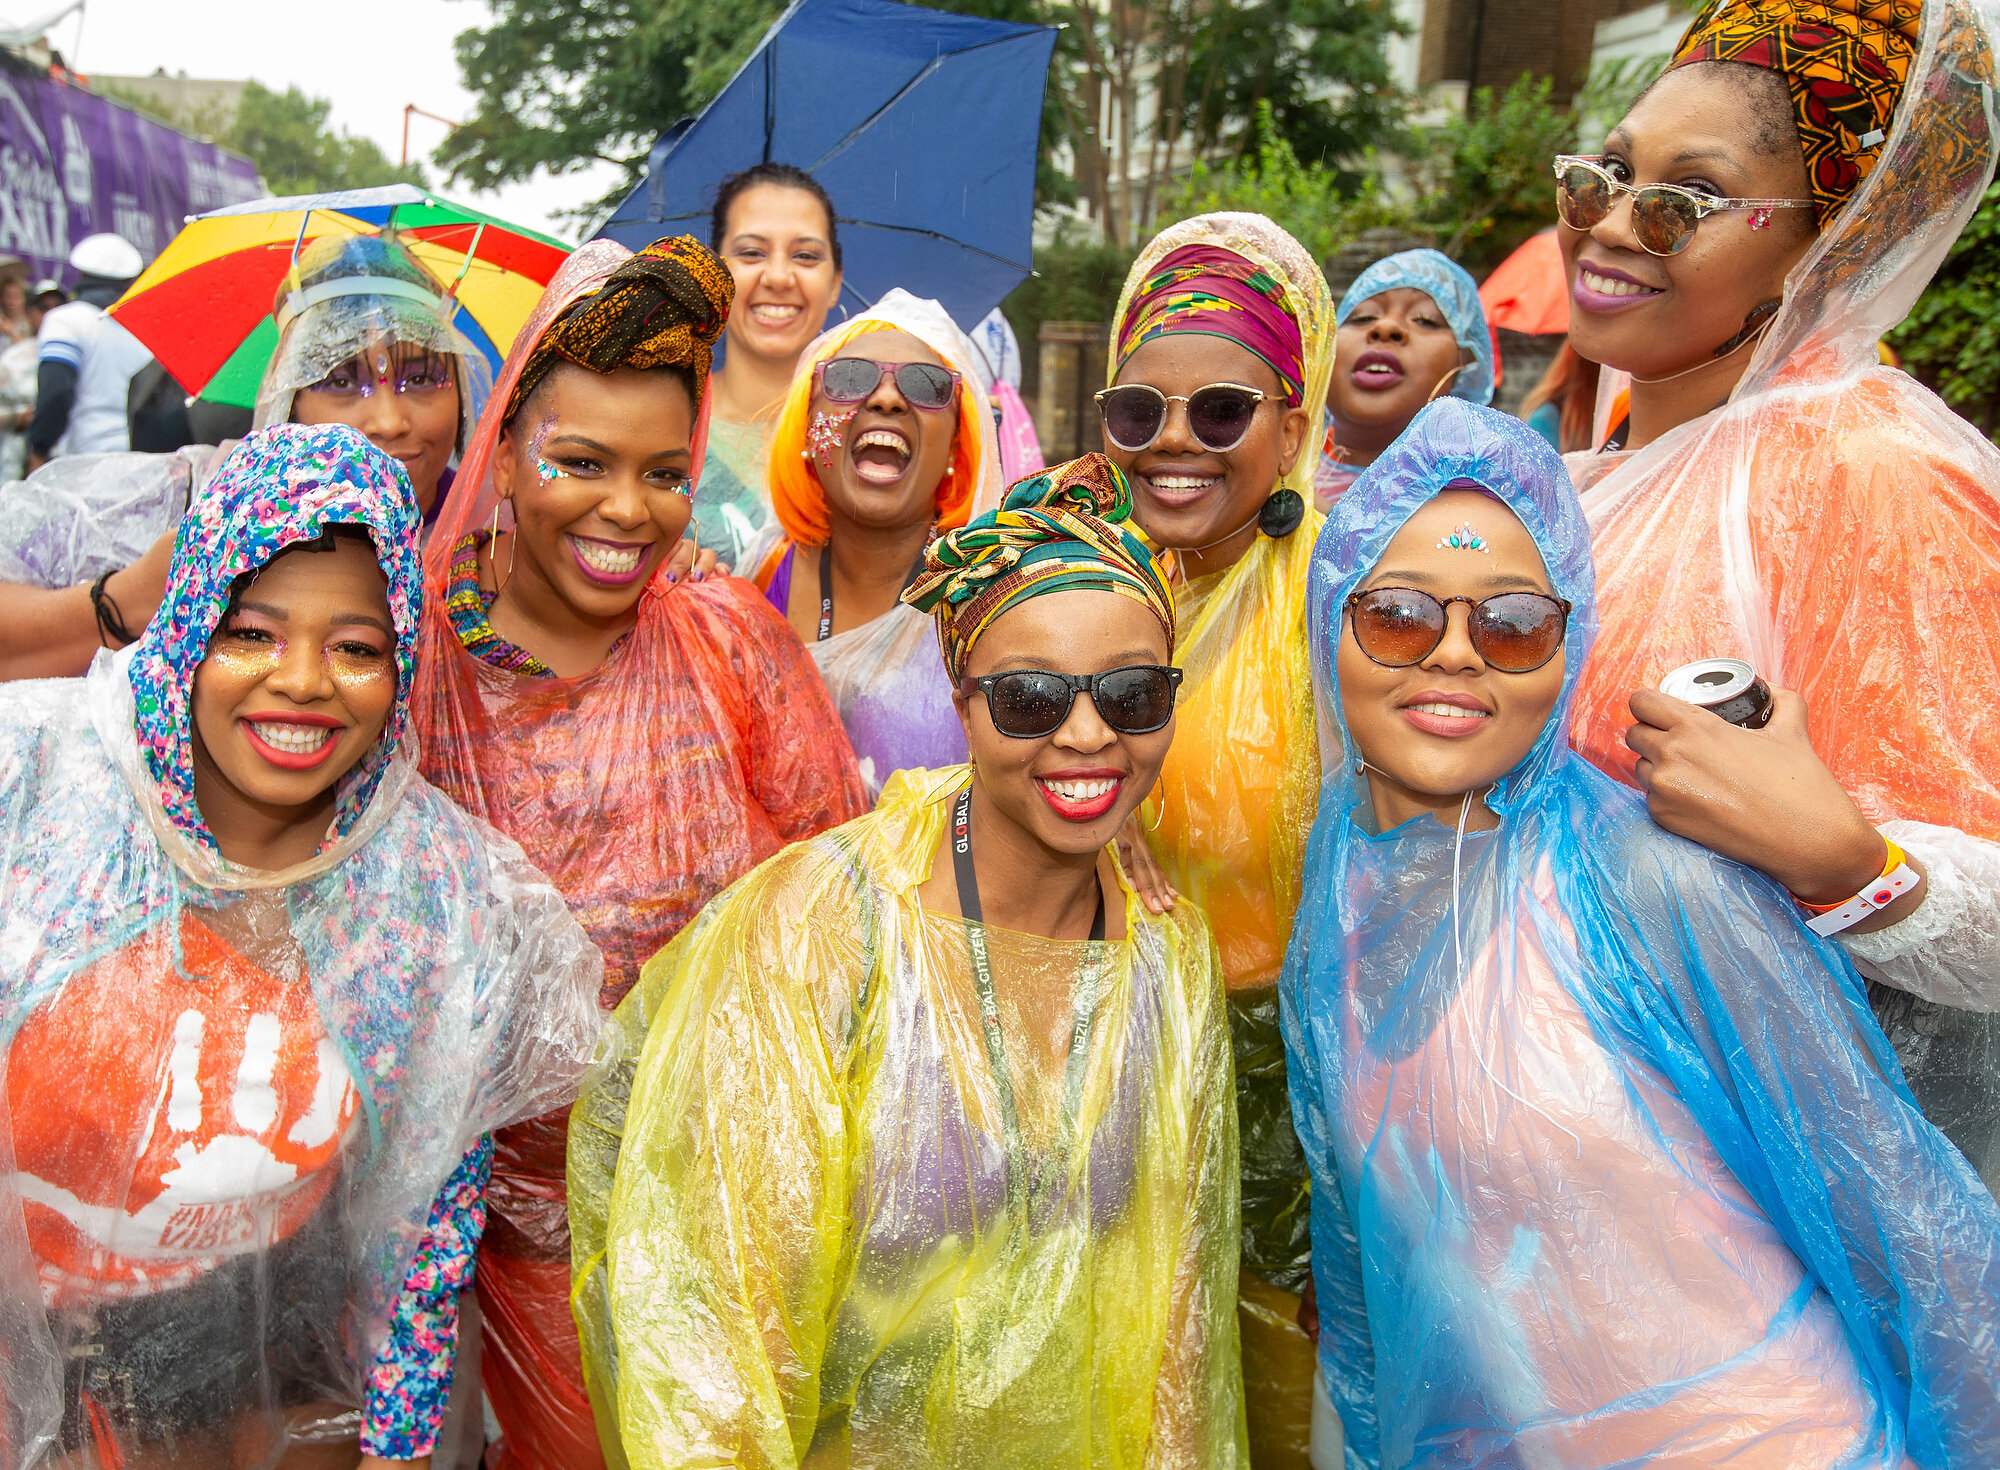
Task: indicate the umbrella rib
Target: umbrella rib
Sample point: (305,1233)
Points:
(870,224)
(931,66)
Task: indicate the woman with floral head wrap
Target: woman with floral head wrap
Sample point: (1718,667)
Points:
(1777,496)
(265,992)
(365,338)
(1222,350)
(647,740)
(917,1148)
(885,439)
(1611,1165)
(1410,329)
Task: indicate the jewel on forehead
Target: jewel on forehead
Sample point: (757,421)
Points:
(1464,539)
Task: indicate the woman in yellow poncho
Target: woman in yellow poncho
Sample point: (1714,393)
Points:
(1223,348)
(917,1147)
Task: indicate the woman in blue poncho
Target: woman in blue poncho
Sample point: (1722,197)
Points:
(1612,1165)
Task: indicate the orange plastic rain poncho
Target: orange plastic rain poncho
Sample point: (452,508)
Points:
(1236,799)
(702,745)
(1839,527)
(812,1231)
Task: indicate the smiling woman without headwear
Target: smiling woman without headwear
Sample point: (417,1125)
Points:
(264,993)
(774,228)
(1784,499)
(1224,343)
(1611,1164)
(917,1148)
(1410,329)
(885,440)
(648,741)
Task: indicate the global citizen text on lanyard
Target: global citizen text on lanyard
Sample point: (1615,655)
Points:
(1049,1172)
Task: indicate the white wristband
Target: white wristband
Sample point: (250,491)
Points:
(1884,891)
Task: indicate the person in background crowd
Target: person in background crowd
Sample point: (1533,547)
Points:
(353,348)
(1000,372)
(1410,328)
(647,740)
(1222,349)
(15,323)
(922,1135)
(1777,495)
(1562,407)
(775,227)
(1611,1165)
(885,439)
(266,994)
(87,360)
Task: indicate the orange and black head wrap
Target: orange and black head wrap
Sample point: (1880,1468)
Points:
(1844,61)
(665,307)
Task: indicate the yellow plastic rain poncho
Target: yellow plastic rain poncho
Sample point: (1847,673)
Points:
(810,1254)
(1236,800)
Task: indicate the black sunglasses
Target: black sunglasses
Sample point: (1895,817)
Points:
(851,379)
(1514,632)
(1219,415)
(1031,703)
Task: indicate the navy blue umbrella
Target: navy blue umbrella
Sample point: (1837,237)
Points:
(921,125)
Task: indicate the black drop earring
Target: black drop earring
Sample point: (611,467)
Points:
(1754,321)
(1281,514)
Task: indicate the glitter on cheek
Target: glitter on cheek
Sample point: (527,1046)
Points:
(827,434)
(360,671)
(545,472)
(237,658)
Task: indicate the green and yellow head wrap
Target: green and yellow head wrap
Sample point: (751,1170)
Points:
(1055,532)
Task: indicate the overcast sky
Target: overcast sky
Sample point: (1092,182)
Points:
(368,57)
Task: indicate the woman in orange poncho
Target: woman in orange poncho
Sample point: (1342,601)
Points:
(1222,350)
(1777,495)
(647,741)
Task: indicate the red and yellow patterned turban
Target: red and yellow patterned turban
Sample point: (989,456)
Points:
(1845,62)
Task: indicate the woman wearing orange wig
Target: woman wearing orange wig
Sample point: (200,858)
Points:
(885,441)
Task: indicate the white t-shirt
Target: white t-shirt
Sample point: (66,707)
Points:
(106,358)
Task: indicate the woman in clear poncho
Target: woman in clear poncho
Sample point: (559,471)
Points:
(647,740)
(1783,498)
(1612,1165)
(1410,328)
(364,338)
(1231,299)
(260,1006)
(860,486)
(917,1148)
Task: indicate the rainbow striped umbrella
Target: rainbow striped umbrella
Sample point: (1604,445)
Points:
(204,306)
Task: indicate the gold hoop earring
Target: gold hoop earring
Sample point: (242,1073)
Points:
(1441,382)
(513,545)
(1159,790)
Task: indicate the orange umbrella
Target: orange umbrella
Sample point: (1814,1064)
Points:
(1528,291)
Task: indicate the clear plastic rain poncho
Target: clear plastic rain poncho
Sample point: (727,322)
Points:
(810,1253)
(1838,527)
(1229,827)
(887,678)
(78,516)
(244,1110)
(1611,1164)
(702,745)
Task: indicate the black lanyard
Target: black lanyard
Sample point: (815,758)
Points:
(968,878)
(1025,1178)
(826,586)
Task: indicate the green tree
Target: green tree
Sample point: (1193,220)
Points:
(563,83)
(1951,339)
(286,135)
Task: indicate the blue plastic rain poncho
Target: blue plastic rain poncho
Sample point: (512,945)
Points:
(1637,1181)
(242,1112)
(1442,279)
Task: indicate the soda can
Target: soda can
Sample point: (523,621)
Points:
(1723,686)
